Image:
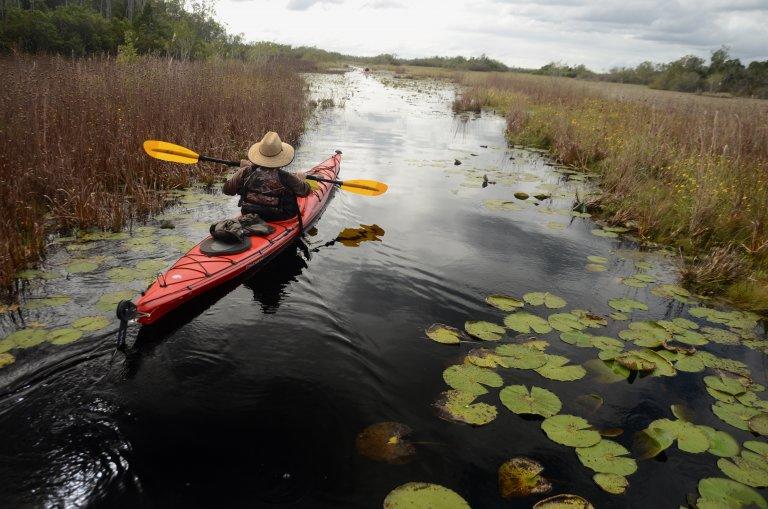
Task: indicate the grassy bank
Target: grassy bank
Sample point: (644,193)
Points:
(71,134)
(683,170)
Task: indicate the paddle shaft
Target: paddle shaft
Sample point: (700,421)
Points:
(308,177)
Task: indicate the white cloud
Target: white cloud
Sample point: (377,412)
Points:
(526,33)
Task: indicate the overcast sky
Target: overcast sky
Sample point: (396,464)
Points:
(599,34)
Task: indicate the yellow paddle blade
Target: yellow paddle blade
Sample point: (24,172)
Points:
(170,152)
(365,187)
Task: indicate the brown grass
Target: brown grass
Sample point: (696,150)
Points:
(71,134)
(690,171)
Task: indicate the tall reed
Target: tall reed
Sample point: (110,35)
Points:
(71,134)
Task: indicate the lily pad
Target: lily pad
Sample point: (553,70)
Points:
(525,322)
(597,259)
(720,336)
(627,305)
(386,442)
(720,443)
(6,359)
(547,299)
(47,302)
(607,457)
(108,301)
(537,401)
(570,430)
(750,471)
(565,322)
(759,424)
(556,368)
(522,357)
(577,338)
(521,477)
(677,293)
(735,414)
(485,358)
(486,331)
(604,233)
(725,384)
(91,323)
(24,338)
(81,266)
(633,282)
(611,483)
(590,319)
(596,267)
(444,334)
(621,317)
(64,336)
(563,501)
(471,379)
(727,493)
(459,406)
(421,495)
(504,302)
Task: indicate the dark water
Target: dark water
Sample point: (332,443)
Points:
(253,396)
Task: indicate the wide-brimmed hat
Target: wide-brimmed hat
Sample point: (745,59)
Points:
(270,152)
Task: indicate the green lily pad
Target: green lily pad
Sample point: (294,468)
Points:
(47,302)
(416,495)
(563,501)
(597,259)
(595,267)
(634,362)
(386,442)
(720,443)
(31,274)
(459,406)
(24,338)
(177,242)
(728,493)
(607,457)
(607,371)
(521,357)
(760,448)
(633,283)
(537,401)
(570,430)
(485,358)
(750,471)
(91,323)
(81,266)
(504,302)
(606,343)
(525,322)
(720,336)
(547,299)
(64,336)
(556,368)
(521,477)
(444,334)
(627,305)
(725,384)
(577,338)
(108,301)
(674,292)
(6,359)
(591,320)
(691,337)
(735,414)
(604,233)
(486,331)
(643,265)
(103,235)
(759,424)
(689,364)
(471,379)
(565,322)
(141,244)
(621,317)
(611,483)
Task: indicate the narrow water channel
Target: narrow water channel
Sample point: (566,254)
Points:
(253,397)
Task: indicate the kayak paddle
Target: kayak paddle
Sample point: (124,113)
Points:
(177,154)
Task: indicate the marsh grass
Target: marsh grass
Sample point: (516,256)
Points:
(689,171)
(71,134)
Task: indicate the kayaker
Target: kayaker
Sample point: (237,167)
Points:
(264,187)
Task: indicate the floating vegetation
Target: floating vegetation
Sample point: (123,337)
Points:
(570,430)
(627,305)
(353,237)
(415,495)
(537,401)
(47,302)
(501,205)
(522,357)
(471,379)
(91,323)
(604,233)
(108,301)
(594,267)
(485,358)
(735,414)
(141,244)
(526,322)
(64,336)
(607,371)
(504,302)
(611,483)
(563,501)
(557,368)
(24,338)
(717,492)
(459,406)
(82,265)
(547,299)
(386,442)
(177,242)
(749,468)
(444,334)
(486,331)
(675,292)
(6,359)
(597,259)
(521,477)
(31,274)
(607,457)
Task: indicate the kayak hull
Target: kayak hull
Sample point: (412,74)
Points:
(196,273)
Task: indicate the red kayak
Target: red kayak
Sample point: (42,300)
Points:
(210,264)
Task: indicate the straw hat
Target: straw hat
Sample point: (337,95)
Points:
(270,152)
